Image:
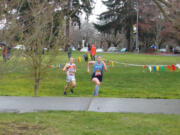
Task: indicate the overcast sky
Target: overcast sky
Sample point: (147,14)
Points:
(98,9)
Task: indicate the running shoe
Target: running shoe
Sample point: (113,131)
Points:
(94,93)
(72,91)
(65,93)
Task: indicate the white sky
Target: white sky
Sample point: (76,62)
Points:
(2,24)
(99,7)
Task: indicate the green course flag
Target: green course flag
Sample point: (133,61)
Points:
(162,68)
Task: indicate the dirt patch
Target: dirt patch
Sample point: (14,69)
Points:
(19,128)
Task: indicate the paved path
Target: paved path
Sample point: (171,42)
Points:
(34,104)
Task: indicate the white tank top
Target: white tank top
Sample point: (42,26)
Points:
(70,69)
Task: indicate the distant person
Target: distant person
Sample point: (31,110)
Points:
(102,44)
(93,52)
(79,47)
(69,51)
(4,53)
(8,52)
(86,56)
(70,69)
(89,47)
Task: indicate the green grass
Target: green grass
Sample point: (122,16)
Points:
(119,81)
(88,123)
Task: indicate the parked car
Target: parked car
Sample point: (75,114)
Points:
(123,50)
(61,49)
(177,49)
(19,47)
(85,49)
(162,50)
(45,49)
(73,48)
(3,43)
(112,49)
(99,50)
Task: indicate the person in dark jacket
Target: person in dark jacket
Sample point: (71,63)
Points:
(69,51)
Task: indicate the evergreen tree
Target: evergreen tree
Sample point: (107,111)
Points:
(73,9)
(121,16)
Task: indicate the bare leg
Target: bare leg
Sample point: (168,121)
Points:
(97,85)
(73,86)
(66,87)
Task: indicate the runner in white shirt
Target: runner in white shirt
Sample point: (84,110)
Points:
(70,69)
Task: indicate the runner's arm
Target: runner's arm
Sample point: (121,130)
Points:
(90,63)
(104,66)
(65,68)
(75,69)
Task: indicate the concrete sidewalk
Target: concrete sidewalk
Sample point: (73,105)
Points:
(125,105)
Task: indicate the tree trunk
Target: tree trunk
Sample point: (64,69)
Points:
(128,37)
(68,20)
(109,44)
(129,44)
(36,86)
(67,29)
(36,78)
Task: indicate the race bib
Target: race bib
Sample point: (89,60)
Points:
(98,73)
(71,73)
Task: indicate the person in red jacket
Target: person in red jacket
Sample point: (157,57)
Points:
(4,53)
(93,52)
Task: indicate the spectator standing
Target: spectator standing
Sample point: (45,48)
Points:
(69,51)
(8,52)
(4,53)
(93,52)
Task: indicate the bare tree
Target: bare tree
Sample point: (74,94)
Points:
(44,28)
(167,7)
(87,32)
(42,34)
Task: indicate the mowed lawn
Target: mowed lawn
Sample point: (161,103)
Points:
(88,123)
(119,81)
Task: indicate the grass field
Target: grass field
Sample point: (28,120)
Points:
(119,81)
(88,123)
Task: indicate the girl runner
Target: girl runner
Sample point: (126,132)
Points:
(99,65)
(70,69)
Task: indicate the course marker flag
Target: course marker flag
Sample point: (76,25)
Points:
(60,66)
(109,62)
(178,66)
(169,67)
(112,63)
(162,68)
(173,67)
(89,57)
(145,66)
(78,59)
(154,68)
(150,68)
(157,68)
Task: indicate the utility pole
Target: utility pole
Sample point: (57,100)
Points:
(137,27)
